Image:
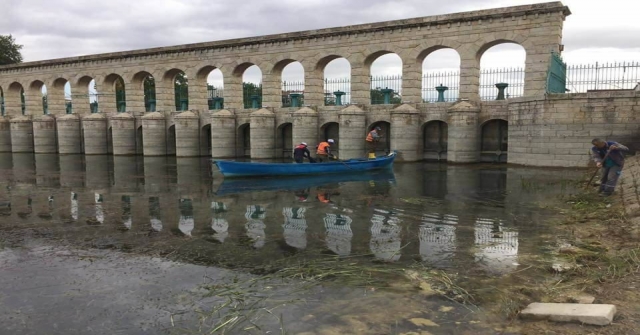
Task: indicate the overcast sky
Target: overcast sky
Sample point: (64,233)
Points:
(596,31)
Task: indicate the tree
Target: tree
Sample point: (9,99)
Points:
(248,90)
(9,50)
(181,87)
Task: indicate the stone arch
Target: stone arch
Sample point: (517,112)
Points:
(494,137)
(507,66)
(284,140)
(144,80)
(247,73)
(213,77)
(440,66)
(291,74)
(384,145)
(331,130)
(38,88)
(336,74)
(389,79)
(114,84)
(171,140)
(177,79)
(16,91)
(435,134)
(243,140)
(205,140)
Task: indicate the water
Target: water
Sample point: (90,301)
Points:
(471,220)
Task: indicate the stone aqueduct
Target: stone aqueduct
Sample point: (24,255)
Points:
(221,133)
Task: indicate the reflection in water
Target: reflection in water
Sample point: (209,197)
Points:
(126,212)
(255,226)
(74,206)
(339,233)
(99,210)
(497,246)
(438,238)
(385,241)
(295,227)
(186,223)
(26,213)
(219,224)
(155,217)
(47,213)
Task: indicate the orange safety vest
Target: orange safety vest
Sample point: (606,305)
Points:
(323,198)
(322,148)
(370,135)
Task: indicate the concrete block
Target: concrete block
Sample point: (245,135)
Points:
(593,314)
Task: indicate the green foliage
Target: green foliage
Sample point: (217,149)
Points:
(181,87)
(9,50)
(248,90)
(377,97)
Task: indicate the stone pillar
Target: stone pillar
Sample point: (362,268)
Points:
(272,89)
(405,133)
(123,132)
(353,131)
(5,134)
(21,134)
(71,170)
(232,90)
(12,102)
(154,134)
(464,139)
(305,127)
(411,81)
(107,97)
(94,127)
(80,105)
(165,94)
(69,134)
(187,134)
(134,97)
(360,84)
(198,95)
(44,134)
(33,101)
(55,99)
(262,126)
(223,134)
(313,85)
(469,75)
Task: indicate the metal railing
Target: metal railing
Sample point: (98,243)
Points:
(447,81)
(386,89)
(602,76)
(292,93)
(340,85)
(513,77)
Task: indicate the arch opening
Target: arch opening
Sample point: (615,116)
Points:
(243,141)
(2,112)
(215,87)
(17,91)
(331,130)
(502,70)
(171,140)
(292,83)
(91,94)
(139,141)
(284,141)
(383,146)
(180,83)
(440,75)
(110,141)
(251,84)
(205,140)
(494,141)
(146,81)
(435,140)
(337,80)
(62,87)
(116,85)
(38,88)
(386,78)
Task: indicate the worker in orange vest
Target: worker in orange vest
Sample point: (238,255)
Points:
(323,151)
(372,139)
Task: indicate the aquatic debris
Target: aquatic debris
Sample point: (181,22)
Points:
(420,322)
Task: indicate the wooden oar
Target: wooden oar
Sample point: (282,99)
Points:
(598,169)
(343,163)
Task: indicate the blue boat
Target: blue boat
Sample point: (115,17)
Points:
(243,185)
(254,169)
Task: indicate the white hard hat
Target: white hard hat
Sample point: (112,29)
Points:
(330,140)
(303,143)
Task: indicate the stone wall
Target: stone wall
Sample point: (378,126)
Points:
(557,130)
(629,189)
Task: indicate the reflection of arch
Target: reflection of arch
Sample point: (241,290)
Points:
(284,140)
(511,74)
(205,140)
(384,145)
(494,140)
(139,141)
(171,140)
(244,141)
(331,130)
(435,140)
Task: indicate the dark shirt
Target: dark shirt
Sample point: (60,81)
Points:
(616,157)
(300,152)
